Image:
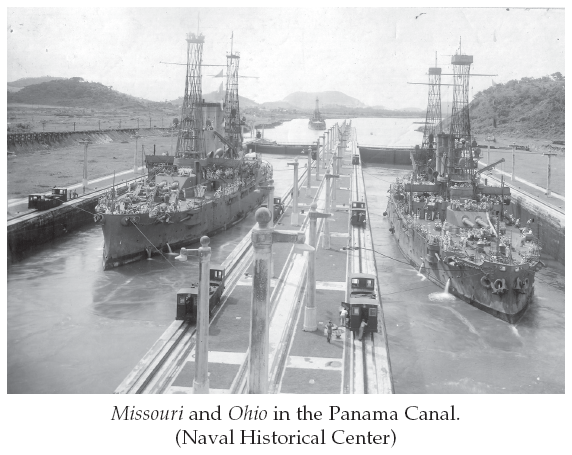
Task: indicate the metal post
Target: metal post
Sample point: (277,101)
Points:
(295,190)
(85,144)
(310,322)
(548,173)
(489,154)
(513,160)
(74,126)
(143,158)
(325,154)
(137,123)
(149,122)
(99,125)
(119,123)
(262,239)
(201,380)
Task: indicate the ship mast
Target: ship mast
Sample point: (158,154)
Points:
(460,163)
(232,124)
(433,125)
(190,141)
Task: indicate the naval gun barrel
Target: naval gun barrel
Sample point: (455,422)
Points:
(468,222)
(480,222)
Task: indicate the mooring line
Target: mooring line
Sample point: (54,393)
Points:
(160,252)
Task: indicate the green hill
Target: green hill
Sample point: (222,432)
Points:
(528,107)
(75,92)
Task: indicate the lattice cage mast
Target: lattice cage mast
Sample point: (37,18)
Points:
(233,122)
(433,119)
(190,141)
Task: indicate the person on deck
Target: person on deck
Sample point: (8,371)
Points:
(329,328)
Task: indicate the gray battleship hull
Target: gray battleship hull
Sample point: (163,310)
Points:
(130,238)
(468,281)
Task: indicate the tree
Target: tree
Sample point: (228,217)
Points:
(175,122)
(557,76)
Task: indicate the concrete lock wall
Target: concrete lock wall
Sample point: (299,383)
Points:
(38,228)
(39,141)
(385,155)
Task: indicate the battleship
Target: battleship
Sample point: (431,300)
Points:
(316,122)
(197,192)
(451,224)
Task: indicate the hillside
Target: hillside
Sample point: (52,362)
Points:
(25,81)
(528,107)
(306,100)
(76,92)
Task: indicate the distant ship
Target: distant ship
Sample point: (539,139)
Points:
(196,192)
(317,122)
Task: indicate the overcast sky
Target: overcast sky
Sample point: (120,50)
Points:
(367,53)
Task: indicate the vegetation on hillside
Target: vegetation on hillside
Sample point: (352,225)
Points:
(528,107)
(25,81)
(76,92)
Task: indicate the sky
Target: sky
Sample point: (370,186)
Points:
(367,53)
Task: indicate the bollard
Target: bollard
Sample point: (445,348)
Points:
(548,172)
(201,381)
(263,237)
(310,323)
(326,241)
(295,190)
(85,144)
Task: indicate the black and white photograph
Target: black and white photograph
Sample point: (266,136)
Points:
(303,201)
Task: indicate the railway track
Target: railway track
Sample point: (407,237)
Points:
(370,368)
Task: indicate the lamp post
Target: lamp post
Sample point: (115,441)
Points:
(263,237)
(310,323)
(327,208)
(309,173)
(85,144)
(136,136)
(294,220)
(270,204)
(201,380)
(318,156)
(513,160)
(548,172)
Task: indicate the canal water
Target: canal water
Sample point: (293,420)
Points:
(73,328)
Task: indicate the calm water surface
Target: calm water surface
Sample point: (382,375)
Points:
(73,328)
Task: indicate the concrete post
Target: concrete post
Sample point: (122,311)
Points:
(310,322)
(309,173)
(136,137)
(513,160)
(270,205)
(84,181)
(548,172)
(328,209)
(262,239)
(295,191)
(323,137)
(201,380)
